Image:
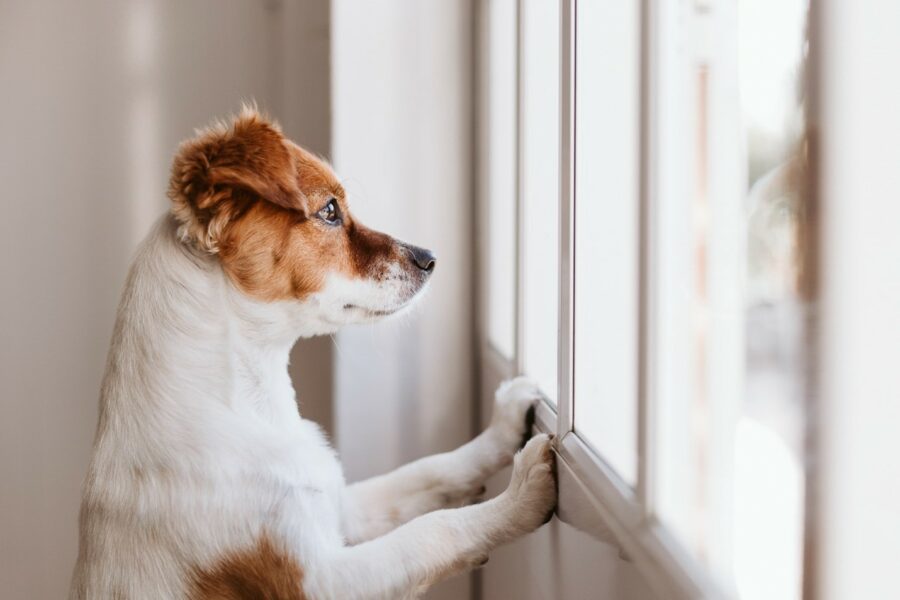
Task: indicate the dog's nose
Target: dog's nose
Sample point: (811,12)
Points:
(424,259)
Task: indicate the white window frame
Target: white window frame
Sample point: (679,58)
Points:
(593,498)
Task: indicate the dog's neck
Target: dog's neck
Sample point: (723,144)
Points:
(186,338)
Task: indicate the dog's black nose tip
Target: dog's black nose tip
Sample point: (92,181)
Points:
(424,259)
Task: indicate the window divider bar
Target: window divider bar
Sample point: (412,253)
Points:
(519,333)
(566,332)
(646,311)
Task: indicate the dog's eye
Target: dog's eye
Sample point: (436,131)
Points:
(331,213)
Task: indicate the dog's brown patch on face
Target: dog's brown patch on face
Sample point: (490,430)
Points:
(253,197)
(263,571)
(370,251)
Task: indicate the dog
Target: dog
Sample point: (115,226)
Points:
(204,481)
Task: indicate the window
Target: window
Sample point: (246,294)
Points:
(502,190)
(606,230)
(539,179)
(728,292)
(657,192)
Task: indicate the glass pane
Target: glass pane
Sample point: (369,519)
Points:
(540,190)
(501,319)
(607,230)
(769,442)
(731,297)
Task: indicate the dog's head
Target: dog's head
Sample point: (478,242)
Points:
(279,222)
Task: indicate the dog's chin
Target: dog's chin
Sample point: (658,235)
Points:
(356,313)
(361,313)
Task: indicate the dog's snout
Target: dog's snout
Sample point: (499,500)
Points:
(424,259)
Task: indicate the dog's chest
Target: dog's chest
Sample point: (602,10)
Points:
(304,459)
(310,512)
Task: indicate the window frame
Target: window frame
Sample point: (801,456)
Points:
(592,496)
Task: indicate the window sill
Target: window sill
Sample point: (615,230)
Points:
(595,500)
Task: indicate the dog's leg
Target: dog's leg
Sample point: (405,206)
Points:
(378,505)
(430,548)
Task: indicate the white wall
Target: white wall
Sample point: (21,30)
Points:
(402,143)
(856,501)
(95,97)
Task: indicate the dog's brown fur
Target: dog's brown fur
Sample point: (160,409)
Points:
(262,572)
(251,196)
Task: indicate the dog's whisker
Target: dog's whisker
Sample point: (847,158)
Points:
(337,346)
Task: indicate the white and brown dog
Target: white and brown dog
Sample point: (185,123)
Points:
(205,481)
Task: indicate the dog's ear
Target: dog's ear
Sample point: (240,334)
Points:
(223,169)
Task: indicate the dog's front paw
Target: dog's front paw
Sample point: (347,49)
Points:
(532,487)
(513,403)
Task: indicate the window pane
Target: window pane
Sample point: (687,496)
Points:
(540,189)
(730,291)
(607,230)
(502,176)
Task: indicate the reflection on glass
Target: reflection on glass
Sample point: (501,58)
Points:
(768,446)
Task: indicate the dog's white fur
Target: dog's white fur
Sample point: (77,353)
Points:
(200,449)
